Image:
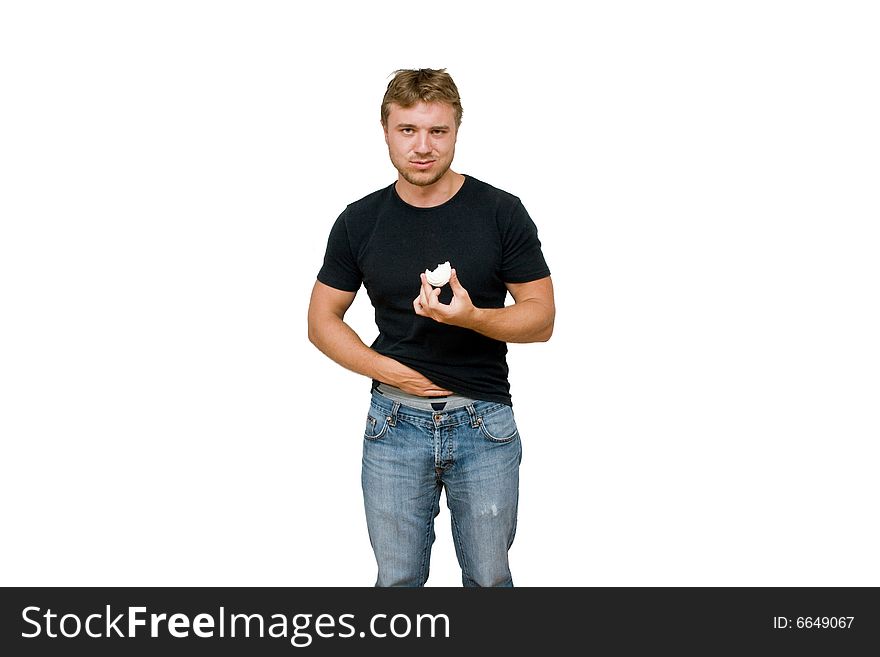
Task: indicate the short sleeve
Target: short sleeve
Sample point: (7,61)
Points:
(521,257)
(340,269)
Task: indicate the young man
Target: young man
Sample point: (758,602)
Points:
(441,413)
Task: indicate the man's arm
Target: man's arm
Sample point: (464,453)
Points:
(529,319)
(336,339)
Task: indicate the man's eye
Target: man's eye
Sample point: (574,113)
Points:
(407,131)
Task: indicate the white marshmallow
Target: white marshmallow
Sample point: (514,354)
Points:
(440,276)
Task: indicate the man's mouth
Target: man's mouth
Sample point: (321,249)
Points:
(422,164)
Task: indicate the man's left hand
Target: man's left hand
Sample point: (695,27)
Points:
(459,312)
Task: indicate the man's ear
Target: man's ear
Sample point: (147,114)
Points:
(384,131)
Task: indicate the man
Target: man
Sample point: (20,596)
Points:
(441,413)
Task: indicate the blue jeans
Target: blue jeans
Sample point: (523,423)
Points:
(410,455)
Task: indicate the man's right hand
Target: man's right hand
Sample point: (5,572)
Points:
(408,380)
(329,333)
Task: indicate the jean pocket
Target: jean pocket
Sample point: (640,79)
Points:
(498,426)
(376,426)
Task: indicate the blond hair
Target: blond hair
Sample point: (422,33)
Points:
(410,86)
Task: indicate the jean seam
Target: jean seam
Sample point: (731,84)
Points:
(465,570)
(498,441)
(376,438)
(493,438)
(423,575)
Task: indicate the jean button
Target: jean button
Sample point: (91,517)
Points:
(437,417)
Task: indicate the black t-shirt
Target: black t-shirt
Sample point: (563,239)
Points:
(385,243)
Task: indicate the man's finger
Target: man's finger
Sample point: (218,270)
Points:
(454,283)
(438,393)
(428,287)
(424,291)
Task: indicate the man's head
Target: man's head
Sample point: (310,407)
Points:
(409,87)
(421,113)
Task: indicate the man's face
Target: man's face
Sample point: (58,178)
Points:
(421,141)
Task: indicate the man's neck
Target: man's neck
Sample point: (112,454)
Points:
(431,195)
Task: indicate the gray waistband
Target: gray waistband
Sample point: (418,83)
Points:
(447,403)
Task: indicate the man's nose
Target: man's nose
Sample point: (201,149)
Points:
(423,143)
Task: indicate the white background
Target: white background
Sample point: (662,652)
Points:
(704,177)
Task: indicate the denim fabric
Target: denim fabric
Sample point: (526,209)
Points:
(410,455)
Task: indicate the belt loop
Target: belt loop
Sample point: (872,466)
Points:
(392,419)
(473,414)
